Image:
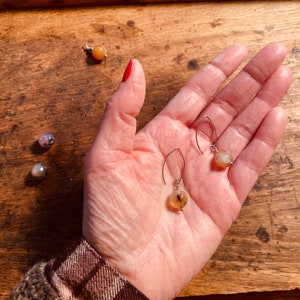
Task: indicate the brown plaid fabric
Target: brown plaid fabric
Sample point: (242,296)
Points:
(81,273)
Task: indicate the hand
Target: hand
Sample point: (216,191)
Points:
(125,213)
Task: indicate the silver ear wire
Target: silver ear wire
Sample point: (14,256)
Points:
(222,158)
(213,147)
(178,179)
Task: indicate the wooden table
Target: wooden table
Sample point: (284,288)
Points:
(48,84)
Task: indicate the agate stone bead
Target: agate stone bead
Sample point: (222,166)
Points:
(178,199)
(46,140)
(39,171)
(223,159)
(98,52)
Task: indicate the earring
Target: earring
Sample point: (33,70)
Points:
(222,158)
(178,199)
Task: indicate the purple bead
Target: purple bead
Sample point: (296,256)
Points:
(39,171)
(46,140)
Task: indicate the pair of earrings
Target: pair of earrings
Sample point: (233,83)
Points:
(45,140)
(222,159)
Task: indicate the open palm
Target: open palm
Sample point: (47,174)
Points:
(126,213)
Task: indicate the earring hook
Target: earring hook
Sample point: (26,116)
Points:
(213,147)
(178,179)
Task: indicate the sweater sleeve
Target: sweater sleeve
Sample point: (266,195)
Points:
(79,273)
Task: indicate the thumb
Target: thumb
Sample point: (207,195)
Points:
(118,125)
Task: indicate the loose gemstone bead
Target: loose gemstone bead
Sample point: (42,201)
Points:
(46,140)
(223,159)
(99,53)
(39,171)
(178,199)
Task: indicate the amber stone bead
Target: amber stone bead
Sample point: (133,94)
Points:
(99,53)
(223,159)
(178,199)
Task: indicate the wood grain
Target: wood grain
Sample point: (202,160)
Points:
(17,4)
(283,295)
(48,84)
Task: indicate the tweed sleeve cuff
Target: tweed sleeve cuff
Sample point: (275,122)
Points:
(81,273)
(34,285)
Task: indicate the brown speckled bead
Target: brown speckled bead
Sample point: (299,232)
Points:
(178,199)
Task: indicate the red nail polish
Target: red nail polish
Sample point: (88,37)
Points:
(127,71)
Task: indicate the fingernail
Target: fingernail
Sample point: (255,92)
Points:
(127,71)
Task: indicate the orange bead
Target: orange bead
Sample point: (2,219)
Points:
(178,199)
(99,53)
(223,159)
